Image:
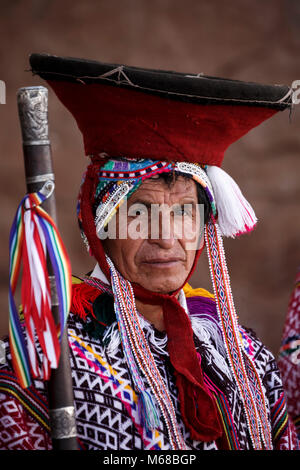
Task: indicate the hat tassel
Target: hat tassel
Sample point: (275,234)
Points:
(235,214)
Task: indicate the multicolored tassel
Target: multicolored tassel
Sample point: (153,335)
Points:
(33,238)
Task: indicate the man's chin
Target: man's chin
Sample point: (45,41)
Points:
(161,280)
(163,285)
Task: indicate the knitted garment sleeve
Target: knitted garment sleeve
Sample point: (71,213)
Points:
(24,418)
(283,430)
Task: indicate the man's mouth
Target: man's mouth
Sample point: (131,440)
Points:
(162,262)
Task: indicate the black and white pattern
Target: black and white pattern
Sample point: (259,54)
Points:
(106,406)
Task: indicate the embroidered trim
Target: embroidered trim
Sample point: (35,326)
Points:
(225,414)
(147,171)
(279,418)
(106,210)
(199,175)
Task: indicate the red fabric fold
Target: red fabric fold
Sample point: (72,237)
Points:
(125,122)
(197,405)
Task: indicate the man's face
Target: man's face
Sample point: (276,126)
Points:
(159,263)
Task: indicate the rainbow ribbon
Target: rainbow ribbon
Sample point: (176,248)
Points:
(33,237)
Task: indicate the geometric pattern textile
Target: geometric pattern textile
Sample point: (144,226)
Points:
(289,355)
(107,415)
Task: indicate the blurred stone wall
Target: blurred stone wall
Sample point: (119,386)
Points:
(240,39)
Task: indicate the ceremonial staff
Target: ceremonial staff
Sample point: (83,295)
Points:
(33,114)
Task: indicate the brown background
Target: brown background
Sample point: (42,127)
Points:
(243,39)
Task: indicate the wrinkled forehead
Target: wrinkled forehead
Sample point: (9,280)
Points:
(171,187)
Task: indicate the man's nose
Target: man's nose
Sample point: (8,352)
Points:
(162,231)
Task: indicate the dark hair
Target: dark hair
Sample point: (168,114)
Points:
(170,178)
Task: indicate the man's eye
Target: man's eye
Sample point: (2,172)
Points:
(137,210)
(183,210)
(140,212)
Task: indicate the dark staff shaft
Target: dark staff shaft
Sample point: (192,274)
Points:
(33,113)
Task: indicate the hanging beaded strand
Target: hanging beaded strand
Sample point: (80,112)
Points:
(136,341)
(258,425)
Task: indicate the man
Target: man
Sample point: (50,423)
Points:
(155,363)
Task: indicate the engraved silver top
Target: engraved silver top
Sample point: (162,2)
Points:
(63,423)
(33,113)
